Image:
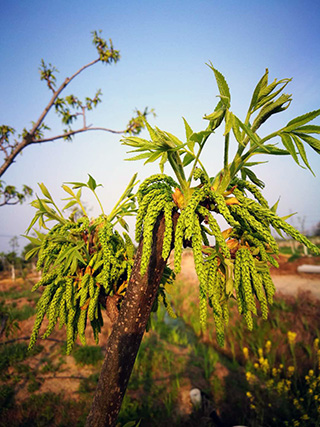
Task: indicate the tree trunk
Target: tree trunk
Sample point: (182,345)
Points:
(127,333)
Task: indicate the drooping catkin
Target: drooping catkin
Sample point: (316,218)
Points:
(215,229)
(42,307)
(254,190)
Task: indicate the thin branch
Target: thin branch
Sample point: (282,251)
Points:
(74,132)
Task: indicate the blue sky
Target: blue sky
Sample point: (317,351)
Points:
(164,46)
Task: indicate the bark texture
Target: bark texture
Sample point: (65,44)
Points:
(127,333)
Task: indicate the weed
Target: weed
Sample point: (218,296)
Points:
(88,355)
(23,313)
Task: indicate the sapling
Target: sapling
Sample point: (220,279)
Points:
(90,257)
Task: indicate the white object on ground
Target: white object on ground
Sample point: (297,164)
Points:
(306,268)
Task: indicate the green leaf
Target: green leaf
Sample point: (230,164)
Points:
(253,177)
(261,84)
(140,157)
(32,253)
(272,149)
(45,191)
(123,223)
(301,120)
(152,132)
(287,142)
(252,136)
(275,206)
(229,122)
(222,85)
(199,136)
(302,151)
(313,142)
(91,183)
(68,189)
(70,204)
(188,158)
(271,108)
(163,160)
(153,157)
(308,129)
(188,129)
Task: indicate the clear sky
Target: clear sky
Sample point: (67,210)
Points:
(164,46)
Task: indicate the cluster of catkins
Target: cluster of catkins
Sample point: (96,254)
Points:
(80,261)
(238,265)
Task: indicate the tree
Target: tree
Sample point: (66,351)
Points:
(69,108)
(88,266)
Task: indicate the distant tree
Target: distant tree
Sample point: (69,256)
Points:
(69,108)
(317,230)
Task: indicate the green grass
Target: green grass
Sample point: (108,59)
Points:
(88,355)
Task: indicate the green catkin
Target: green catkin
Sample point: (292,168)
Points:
(63,312)
(70,330)
(84,293)
(167,239)
(246,281)
(46,280)
(170,182)
(143,207)
(82,322)
(263,253)
(91,286)
(268,286)
(153,212)
(211,278)
(53,311)
(42,307)
(237,281)
(198,260)
(93,304)
(69,293)
(178,242)
(214,227)
(255,225)
(129,246)
(254,191)
(223,208)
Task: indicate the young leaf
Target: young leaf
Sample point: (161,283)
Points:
(302,151)
(188,129)
(301,120)
(45,191)
(287,142)
(261,84)
(222,85)
(68,189)
(313,142)
(92,183)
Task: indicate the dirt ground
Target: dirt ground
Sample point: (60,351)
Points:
(286,278)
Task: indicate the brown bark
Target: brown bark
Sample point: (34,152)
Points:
(127,333)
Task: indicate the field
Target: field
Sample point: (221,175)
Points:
(267,377)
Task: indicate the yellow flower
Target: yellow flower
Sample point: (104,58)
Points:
(311,372)
(256,365)
(260,352)
(281,366)
(268,346)
(274,372)
(305,417)
(310,391)
(249,394)
(292,337)
(290,371)
(245,352)
(316,344)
